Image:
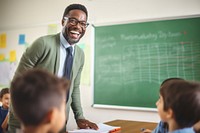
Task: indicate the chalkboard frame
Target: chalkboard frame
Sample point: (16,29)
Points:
(130,22)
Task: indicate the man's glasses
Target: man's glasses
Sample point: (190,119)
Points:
(74,21)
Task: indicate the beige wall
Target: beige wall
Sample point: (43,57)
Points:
(24,13)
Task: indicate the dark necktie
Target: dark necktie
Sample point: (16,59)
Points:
(68,63)
(68,66)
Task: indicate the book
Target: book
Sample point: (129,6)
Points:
(103,128)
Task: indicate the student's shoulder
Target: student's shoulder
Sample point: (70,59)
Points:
(1,107)
(184,130)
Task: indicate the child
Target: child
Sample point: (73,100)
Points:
(197,127)
(179,105)
(38,99)
(162,127)
(5,99)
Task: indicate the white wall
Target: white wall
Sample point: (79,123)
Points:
(21,13)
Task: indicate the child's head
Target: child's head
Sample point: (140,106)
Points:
(39,98)
(180,101)
(5,98)
(170,79)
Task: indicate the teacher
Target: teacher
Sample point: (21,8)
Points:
(60,55)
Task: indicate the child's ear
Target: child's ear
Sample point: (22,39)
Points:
(51,115)
(169,113)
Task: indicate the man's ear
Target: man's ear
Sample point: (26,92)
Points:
(63,22)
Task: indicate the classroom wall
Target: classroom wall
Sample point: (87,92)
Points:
(22,14)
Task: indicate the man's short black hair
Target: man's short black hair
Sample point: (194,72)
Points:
(74,7)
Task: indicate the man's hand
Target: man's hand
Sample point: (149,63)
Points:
(85,124)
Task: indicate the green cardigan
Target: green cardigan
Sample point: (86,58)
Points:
(44,53)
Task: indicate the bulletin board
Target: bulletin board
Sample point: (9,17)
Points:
(15,40)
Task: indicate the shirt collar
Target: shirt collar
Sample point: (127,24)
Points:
(64,42)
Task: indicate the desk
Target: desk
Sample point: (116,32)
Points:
(131,126)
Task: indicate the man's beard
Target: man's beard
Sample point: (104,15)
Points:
(71,41)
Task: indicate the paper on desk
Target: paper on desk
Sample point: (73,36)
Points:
(103,128)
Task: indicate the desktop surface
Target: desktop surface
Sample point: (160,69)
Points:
(131,126)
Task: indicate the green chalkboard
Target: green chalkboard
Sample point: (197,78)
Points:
(131,60)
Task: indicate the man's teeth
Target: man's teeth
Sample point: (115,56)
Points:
(74,32)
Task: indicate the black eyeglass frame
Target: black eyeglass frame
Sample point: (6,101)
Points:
(75,21)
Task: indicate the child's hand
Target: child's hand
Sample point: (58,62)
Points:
(146,131)
(7,106)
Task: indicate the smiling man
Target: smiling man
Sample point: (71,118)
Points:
(52,53)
